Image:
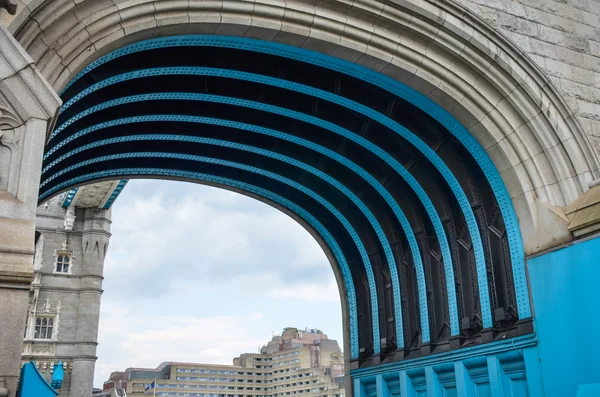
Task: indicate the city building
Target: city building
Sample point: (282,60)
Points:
(296,363)
(72,235)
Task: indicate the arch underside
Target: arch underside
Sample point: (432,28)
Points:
(413,211)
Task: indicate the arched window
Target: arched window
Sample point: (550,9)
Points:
(43,327)
(63,261)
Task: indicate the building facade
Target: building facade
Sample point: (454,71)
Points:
(295,363)
(72,235)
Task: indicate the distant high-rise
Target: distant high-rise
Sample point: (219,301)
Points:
(296,363)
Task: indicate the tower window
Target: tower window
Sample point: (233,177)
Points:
(43,327)
(63,262)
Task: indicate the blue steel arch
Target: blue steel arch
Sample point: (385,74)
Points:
(327,152)
(431,155)
(382,154)
(386,83)
(347,192)
(293,207)
(347,225)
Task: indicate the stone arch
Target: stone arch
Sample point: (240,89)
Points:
(439,49)
(87,114)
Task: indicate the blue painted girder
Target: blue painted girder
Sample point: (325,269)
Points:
(386,83)
(293,207)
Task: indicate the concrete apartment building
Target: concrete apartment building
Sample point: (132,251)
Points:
(295,363)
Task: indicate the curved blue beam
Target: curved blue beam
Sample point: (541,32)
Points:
(332,181)
(347,225)
(386,83)
(429,153)
(296,209)
(424,312)
(368,145)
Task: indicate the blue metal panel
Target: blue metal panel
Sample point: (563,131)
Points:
(115,194)
(589,390)
(535,384)
(499,371)
(386,83)
(379,152)
(329,153)
(364,209)
(464,384)
(434,387)
(359,389)
(382,387)
(564,290)
(69,196)
(406,386)
(301,212)
(33,384)
(499,383)
(58,375)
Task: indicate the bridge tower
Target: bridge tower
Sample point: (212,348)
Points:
(444,154)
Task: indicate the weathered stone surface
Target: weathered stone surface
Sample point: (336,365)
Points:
(27,106)
(584,213)
(489,85)
(11,301)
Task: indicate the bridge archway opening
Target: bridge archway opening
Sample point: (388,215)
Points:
(417,220)
(196,274)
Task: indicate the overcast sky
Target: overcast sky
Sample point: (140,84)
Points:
(200,274)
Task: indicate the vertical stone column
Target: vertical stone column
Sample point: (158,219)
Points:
(95,238)
(28,106)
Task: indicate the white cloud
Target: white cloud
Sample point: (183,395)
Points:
(308,292)
(145,340)
(212,238)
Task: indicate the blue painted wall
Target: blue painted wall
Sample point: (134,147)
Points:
(507,368)
(565,285)
(33,384)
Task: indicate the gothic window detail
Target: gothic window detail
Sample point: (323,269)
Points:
(42,324)
(63,262)
(43,327)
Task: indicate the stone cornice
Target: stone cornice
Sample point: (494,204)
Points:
(17,278)
(584,213)
(71,276)
(78,290)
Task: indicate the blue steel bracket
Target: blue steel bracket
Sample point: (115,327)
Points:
(69,196)
(113,196)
